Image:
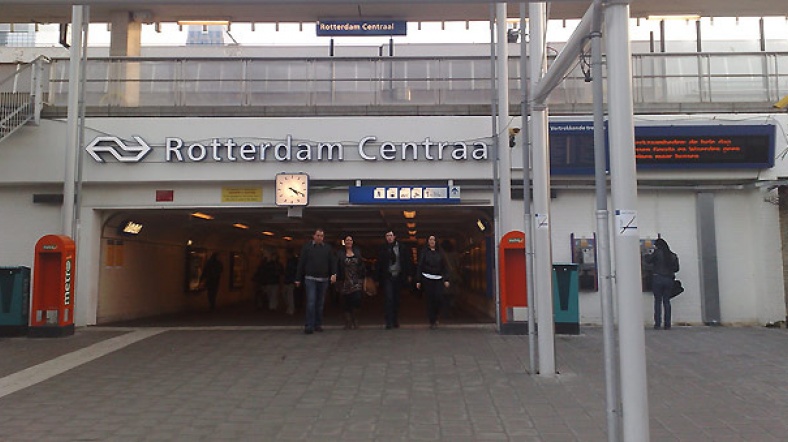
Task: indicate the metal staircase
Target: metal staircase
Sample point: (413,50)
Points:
(21,97)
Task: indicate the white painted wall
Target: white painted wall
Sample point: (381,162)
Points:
(31,161)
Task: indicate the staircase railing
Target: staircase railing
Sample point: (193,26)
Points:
(21,98)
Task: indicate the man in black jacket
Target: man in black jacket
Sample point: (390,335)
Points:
(394,268)
(317,268)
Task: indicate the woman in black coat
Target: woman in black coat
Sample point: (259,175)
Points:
(664,266)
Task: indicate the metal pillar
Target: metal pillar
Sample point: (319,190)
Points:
(631,334)
(603,229)
(72,120)
(543,268)
(525,111)
(504,152)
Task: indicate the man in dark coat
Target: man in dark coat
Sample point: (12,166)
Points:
(317,268)
(394,269)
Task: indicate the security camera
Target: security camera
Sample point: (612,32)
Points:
(783,103)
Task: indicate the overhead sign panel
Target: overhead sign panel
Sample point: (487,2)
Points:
(404,194)
(729,146)
(363,28)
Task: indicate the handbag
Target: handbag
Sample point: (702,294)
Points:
(677,289)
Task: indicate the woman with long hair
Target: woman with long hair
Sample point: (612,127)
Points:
(352,273)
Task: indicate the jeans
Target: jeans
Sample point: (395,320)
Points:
(662,287)
(391,289)
(315,298)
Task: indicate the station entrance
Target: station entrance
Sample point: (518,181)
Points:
(151,260)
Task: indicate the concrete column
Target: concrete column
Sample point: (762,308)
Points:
(543,257)
(125,41)
(626,240)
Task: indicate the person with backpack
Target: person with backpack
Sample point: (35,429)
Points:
(664,264)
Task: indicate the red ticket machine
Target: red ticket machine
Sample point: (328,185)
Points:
(54,271)
(514,293)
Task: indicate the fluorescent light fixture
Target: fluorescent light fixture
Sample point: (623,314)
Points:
(783,103)
(287,238)
(240,226)
(409,214)
(412,232)
(202,215)
(674,17)
(480,225)
(268,233)
(203,22)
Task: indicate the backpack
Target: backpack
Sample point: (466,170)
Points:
(673,262)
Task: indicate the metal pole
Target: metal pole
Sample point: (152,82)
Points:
(543,269)
(496,179)
(72,120)
(602,226)
(81,125)
(631,334)
(504,152)
(525,111)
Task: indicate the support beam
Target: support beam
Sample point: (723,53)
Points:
(566,60)
(543,257)
(626,241)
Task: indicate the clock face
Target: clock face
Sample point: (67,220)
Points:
(292,189)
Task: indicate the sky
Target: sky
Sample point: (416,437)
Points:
(719,28)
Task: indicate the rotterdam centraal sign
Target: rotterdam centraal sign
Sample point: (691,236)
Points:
(176,150)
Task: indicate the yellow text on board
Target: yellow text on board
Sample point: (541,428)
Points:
(242,195)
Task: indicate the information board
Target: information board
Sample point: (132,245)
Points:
(736,146)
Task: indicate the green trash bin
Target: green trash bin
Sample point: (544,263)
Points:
(14,300)
(566,308)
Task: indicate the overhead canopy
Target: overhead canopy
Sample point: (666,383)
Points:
(261,11)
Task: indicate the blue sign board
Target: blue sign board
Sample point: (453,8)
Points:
(404,195)
(363,28)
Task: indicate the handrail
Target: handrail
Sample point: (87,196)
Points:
(759,78)
(20,100)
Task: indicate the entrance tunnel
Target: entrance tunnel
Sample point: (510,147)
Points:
(151,262)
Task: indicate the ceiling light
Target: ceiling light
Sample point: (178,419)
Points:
(411,225)
(409,214)
(240,226)
(202,215)
(287,238)
(268,233)
(203,22)
(674,17)
(480,225)
(412,232)
(130,227)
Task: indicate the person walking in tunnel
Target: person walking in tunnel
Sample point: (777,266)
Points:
(351,275)
(288,289)
(210,277)
(665,265)
(317,268)
(432,274)
(394,269)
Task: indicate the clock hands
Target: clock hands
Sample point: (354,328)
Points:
(297,192)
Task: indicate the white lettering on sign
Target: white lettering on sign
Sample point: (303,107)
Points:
(67,285)
(176,150)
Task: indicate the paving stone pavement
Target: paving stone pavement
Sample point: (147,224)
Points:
(412,384)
